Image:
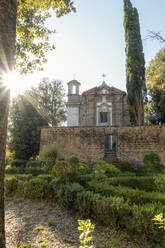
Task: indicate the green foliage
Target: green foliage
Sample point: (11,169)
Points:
(48,99)
(132,196)
(135,64)
(159,181)
(125,166)
(14,170)
(73,160)
(84,203)
(153,163)
(86,227)
(155,108)
(83,169)
(24,177)
(18,163)
(35,171)
(35,188)
(48,178)
(33,164)
(146,183)
(67,193)
(10,186)
(160,221)
(106,169)
(24,128)
(69,170)
(61,169)
(49,154)
(32,42)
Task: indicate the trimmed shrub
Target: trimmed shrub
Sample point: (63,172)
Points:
(159,181)
(35,171)
(67,193)
(132,196)
(73,160)
(48,178)
(83,169)
(49,154)
(10,186)
(14,170)
(83,203)
(107,169)
(33,164)
(20,189)
(61,169)
(35,188)
(24,177)
(143,183)
(125,166)
(153,163)
(18,163)
(69,171)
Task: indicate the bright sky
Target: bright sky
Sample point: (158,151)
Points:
(91,42)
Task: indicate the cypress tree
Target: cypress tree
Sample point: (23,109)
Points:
(135,64)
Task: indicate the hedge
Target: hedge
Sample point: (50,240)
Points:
(132,196)
(143,183)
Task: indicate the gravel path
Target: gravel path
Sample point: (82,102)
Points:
(45,224)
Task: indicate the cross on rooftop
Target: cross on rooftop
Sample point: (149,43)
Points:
(103,76)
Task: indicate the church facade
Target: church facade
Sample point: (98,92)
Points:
(99,106)
(99,128)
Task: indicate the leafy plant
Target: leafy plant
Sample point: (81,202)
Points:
(160,221)
(159,181)
(86,227)
(107,169)
(153,163)
(125,166)
(49,154)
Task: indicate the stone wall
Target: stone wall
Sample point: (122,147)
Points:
(88,143)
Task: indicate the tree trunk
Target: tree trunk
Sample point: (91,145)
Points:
(8,15)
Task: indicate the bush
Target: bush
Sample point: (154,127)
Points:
(24,177)
(61,169)
(143,183)
(20,189)
(125,166)
(33,164)
(83,169)
(153,163)
(14,170)
(159,181)
(35,188)
(35,171)
(132,196)
(67,193)
(69,171)
(10,186)
(73,160)
(18,163)
(107,169)
(49,154)
(48,178)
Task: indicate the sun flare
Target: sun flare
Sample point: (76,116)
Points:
(15,82)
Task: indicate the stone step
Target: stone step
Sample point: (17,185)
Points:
(111,159)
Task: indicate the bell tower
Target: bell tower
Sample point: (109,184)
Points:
(73,103)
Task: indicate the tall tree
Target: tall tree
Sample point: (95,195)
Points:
(135,64)
(48,100)
(24,128)
(8,20)
(155,107)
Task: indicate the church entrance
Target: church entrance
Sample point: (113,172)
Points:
(110,144)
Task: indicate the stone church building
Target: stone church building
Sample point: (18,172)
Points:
(99,106)
(98,128)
